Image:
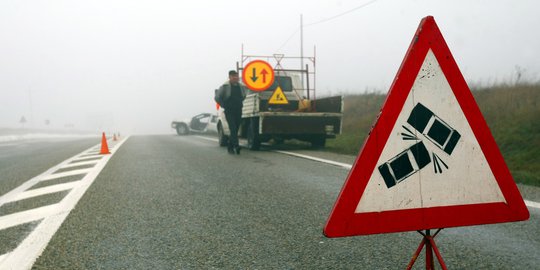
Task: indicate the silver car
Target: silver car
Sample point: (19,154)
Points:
(201,123)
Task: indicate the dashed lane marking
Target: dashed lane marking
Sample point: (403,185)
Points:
(50,217)
(344,165)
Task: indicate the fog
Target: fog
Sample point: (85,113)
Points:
(133,66)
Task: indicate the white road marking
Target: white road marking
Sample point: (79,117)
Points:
(64,174)
(208,139)
(88,156)
(42,191)
(51,216)
(331,162)
(76,164)
(81,160)
(532,204)
(19,218)
(343,165)
(335,163)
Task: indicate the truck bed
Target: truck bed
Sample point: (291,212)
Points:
(294,123)
(258,102)
(323,116)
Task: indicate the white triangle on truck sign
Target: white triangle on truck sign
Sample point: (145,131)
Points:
(430,160)
(278,97)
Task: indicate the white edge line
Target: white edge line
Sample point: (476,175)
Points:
(339,164)
(345,165)
(206,138)
(331,162)
(532,204)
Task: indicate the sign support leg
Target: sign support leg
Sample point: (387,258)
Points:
(429,251)
(431,247)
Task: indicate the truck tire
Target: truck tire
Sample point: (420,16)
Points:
(318,141)
(254,141)
(182,129)
(222,138)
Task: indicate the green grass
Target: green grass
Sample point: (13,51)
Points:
(512,114)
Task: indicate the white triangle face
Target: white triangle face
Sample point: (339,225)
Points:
(278,97)
(432,157)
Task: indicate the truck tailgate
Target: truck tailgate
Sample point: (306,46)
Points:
(300,123)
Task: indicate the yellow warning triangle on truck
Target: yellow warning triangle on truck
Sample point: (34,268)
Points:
(278,97)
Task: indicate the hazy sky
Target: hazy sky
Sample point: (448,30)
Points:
(132,66)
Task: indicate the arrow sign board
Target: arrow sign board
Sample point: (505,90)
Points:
(430,160)
(278,97)
(258,75)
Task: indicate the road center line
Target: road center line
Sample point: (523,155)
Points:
(344,165)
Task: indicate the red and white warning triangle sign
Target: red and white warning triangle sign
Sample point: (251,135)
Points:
(430,160)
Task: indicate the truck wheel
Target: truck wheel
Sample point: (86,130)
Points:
(254,142)
(318,141)
(182,129)
(223,139)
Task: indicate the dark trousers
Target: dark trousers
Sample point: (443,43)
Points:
(233,119)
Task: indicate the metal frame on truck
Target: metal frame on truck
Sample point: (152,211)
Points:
(304,118)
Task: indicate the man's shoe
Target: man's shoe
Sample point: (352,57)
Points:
(238,150)
(230,150)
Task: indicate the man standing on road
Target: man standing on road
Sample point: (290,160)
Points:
(230,96)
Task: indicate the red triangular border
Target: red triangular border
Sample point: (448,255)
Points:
(343,221)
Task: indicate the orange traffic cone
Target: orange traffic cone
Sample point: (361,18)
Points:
(114,138)
(104,146)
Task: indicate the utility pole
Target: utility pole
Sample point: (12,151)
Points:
(31,109)
(302,48)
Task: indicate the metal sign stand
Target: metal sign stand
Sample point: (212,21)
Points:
(429,242)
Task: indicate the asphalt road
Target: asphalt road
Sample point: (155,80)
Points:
(171,202)
(22,160)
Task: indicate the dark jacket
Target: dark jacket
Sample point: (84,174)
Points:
(223,94)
